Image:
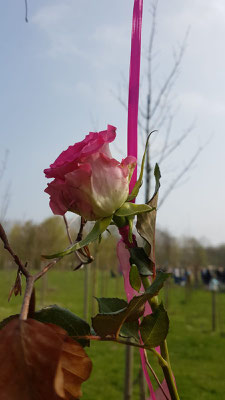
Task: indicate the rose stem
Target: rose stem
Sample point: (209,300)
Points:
(167,371)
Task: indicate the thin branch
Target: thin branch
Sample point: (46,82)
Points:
(154,374)
(7,247)
(27,296)
(88,257)
(67,229)
(149,61)
(165,146)
(5,203)
(180,175)
(4,163)
(47,267)
(178,142)
(17,286)
(80,233)
(153,28)
(26,11)
(125,342)
(165,108)
(124,105)
(83,255)
(79,236)
(172,73)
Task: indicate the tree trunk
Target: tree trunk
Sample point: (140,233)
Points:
(44,289)
(166,294)
(148,164)
(213,310)
(94,270)
(128,384)
(142,384)
(86,292)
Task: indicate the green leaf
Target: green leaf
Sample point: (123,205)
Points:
(157,175)
(157,284)
(129,209)
(141,260)
(99,227)
(146,222)
(135,309)
(154,327)
(107,324)
(138,183)
(134,278)
(130,330)
(110,304)
(74,325)
(110,323)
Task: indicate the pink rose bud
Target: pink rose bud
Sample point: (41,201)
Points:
(87,180)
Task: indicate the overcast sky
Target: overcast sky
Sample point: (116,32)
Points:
(59,74)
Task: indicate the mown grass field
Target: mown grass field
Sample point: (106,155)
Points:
(197,354)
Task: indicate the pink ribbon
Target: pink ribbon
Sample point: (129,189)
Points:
(135,59)
(132,146)
(132,150)
(124,263)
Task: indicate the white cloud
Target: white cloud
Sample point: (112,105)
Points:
(53,16)
(197,103)
(116,35)
(57,23)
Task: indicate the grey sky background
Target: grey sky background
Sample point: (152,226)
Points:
(58,76)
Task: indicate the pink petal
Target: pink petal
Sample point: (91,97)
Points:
(91,144)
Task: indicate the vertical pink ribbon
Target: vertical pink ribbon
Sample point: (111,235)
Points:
(132,145)
(135,60)
(124,264)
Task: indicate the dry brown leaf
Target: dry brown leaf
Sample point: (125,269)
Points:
(29,357)
(75,365)
(17,287)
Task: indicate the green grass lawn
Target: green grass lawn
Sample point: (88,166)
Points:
(197,354)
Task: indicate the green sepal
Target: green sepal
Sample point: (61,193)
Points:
(131,209)
(134,278)
(119,221)
(138,183)
(141,260)
(99,227)
(157,175)
(146,223)
(154,327)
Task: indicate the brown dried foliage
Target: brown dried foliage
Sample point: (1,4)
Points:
(40,362)
(74,364)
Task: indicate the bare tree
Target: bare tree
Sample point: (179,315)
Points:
(158,111)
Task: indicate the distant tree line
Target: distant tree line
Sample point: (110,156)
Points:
(30,240)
